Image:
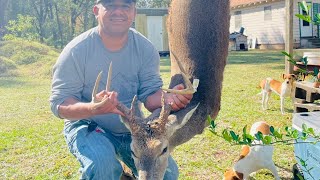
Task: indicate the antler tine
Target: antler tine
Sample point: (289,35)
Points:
(98,103)
(165,112)
(190,88)
(159,124)
(95,88)
(126,111)
(108,85)
(130,120)
(133,107)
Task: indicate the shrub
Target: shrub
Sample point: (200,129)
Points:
(6,65)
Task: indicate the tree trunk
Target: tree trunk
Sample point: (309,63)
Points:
(3,7)
(76,10)
(53,29)
(41,10)
(59,25)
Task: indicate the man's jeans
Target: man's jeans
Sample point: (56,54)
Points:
(98,153)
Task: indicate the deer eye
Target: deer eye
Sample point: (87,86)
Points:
(133,154)
(164,150)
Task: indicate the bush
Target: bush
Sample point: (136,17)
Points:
(31,59)
(6,65)
(25,57)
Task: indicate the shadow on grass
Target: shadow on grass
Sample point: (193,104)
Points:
(255,57)
(245,57)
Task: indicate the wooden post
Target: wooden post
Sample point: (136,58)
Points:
(289,34)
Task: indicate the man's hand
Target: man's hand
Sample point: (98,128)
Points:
(178,101)
(110,105)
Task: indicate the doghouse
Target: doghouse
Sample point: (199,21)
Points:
(238,42)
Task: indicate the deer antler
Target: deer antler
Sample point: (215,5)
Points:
(98,103)
(129,114)
(160,123)
(130,120)
(190,88)
(165,111)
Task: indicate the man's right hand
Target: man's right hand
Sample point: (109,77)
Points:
(110,105)
(72,109)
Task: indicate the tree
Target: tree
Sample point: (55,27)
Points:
(153,3)
(3,6)
(41,13)
(21,28)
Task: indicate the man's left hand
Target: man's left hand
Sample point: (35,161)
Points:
(178,101)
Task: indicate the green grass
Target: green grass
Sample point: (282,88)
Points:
(32,145)
(208,156)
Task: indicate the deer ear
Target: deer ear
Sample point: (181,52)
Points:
(126,123)
(173,123)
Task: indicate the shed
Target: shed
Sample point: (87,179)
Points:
(151,22)
(238,42)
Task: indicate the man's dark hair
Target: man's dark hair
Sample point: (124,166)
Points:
(107,1)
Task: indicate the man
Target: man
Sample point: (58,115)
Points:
(135,72)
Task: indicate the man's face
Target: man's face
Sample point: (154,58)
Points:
(116,17)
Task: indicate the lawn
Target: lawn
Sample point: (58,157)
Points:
(32,145)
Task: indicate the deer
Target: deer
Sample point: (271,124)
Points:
(198,32)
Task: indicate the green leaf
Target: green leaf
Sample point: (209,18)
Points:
(304,6)
(300,177)
(304,60)
(277,135)
(244,130)
(311,131)
(303,162)
(304,17)
(315,71)
(304,128)
(213,125)
(267,140)
(259,136)
(209,119)
(287,54)
(271,129)
(249,136)
(295,134)
(287,128)
(226,135)
(249,140)
(316,19)
(292,61)
(234,136)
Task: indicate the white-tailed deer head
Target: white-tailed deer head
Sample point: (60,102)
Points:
(150,146)
(150,138)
